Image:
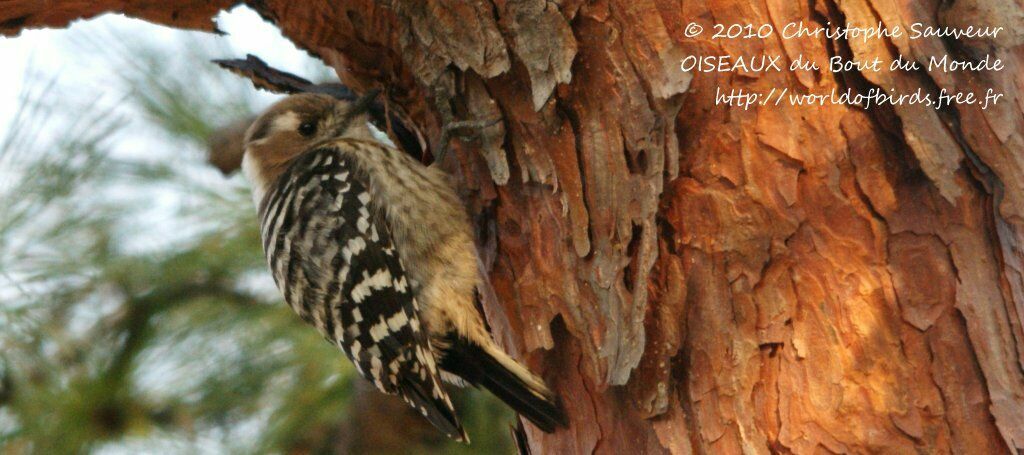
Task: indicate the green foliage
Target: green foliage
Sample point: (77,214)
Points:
(134,325)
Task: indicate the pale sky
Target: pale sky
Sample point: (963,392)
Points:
(84,77)
(50,53)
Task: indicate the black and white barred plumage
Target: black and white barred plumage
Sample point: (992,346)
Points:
(334,260)
(375,250)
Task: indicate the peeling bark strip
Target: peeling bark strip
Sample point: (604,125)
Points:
(778,279)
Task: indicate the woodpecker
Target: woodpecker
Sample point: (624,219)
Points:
(376,251)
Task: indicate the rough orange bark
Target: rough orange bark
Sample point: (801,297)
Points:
(694,278)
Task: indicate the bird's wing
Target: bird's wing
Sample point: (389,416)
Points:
(375,311)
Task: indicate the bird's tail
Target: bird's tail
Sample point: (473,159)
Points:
(492,369)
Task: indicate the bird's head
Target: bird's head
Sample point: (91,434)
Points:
(297,124)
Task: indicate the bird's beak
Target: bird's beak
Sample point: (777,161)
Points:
(355,109)
(363,104)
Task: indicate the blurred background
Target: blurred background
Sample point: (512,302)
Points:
(137,314)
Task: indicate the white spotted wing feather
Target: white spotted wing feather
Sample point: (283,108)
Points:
(334,260)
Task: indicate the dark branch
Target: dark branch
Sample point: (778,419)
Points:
(265,77)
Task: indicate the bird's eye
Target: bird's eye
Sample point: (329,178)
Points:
(307,129)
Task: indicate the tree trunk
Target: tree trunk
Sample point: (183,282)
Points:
(697,278)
